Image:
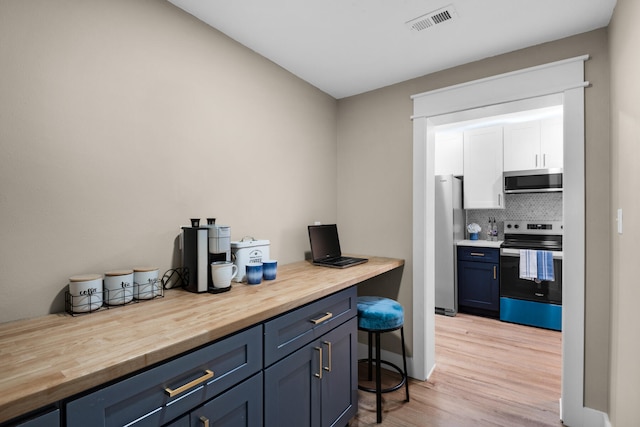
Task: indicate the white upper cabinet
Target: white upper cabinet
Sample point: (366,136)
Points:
(533,145)
(483,154)
(448,153)
(522,146)
(552,143)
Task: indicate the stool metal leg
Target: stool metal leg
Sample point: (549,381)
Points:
(404,360)
(370,357)
(378,381)
(378,390)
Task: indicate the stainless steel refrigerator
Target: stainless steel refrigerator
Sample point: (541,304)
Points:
(449,228)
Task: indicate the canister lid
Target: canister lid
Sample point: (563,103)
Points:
(249,243)
(85,277)
(118,272)
(144,269)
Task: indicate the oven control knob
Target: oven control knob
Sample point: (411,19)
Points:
(508,225)
(516,226)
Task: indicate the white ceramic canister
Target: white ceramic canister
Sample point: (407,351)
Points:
(118,287)
(145,283)
(85,292)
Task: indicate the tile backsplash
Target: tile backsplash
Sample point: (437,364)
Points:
(519,207)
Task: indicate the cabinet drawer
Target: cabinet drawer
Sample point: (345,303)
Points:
(287,333)
(48,419)
(154,397)
(239,407)
(478,254)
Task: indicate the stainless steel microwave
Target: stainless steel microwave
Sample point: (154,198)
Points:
(533,181)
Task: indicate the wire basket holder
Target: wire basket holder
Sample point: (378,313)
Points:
(77,305)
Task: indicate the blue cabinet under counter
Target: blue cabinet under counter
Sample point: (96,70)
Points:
(479,280)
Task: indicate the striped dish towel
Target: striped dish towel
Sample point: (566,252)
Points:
(545,265)
(528,264)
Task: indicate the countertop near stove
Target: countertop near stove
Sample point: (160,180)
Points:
(480,243)
(49,358)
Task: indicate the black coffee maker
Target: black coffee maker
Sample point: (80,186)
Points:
(202,245)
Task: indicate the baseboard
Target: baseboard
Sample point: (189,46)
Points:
(595,418)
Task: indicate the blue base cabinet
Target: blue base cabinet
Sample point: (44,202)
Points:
(47,419)
(316,386)
(296,369)
(239,407)
(158,395)
(479,280)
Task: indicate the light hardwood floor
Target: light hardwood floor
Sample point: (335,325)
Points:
(488,373)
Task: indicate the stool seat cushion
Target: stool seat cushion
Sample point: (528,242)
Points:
(379,314)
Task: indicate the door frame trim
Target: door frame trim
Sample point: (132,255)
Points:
(564,77)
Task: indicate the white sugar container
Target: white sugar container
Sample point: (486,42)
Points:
(246,251)
(145,282)
(85,292)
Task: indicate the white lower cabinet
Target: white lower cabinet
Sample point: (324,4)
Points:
(483,155)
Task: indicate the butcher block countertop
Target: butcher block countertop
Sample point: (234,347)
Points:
(46,359)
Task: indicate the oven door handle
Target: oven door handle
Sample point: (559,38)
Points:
(516,253)
(509,252)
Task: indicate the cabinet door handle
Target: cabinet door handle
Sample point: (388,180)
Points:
(328,368)
(476,254)
(319,374)
(205,421)
(544,160)
(495,272)
(324,317)
(536,160)
(499,199)
(172,392)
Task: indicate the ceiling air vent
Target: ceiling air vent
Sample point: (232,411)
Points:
(432,18)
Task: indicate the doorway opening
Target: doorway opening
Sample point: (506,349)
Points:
(567,79)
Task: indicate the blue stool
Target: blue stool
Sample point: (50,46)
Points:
(377,315)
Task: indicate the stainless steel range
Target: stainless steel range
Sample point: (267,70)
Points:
(531,302)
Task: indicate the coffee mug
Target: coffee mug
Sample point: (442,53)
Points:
(145,283)
(118,287)
(222,272)
(254,273)
(85,292)
(269,268)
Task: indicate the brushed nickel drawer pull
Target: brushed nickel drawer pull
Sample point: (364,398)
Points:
(477,254)
(205,421)
(494,272)
(326,316)
(319,374)
(328,368)
(172,392)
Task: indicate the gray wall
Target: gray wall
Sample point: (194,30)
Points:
(625,137)
(374,161)
(120,120)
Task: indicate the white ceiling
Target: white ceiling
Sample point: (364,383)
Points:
(347,47)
